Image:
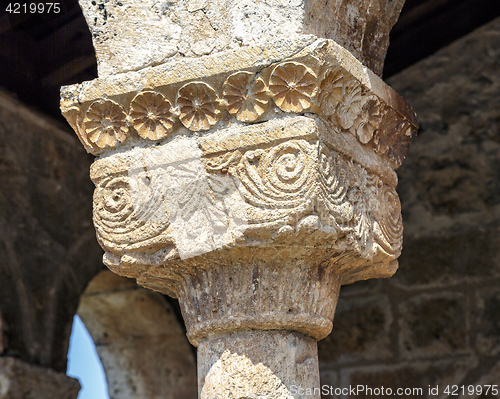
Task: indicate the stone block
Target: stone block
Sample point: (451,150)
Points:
(489,376)
(446,259)
(487,321)
(450,185)
(21,380)
(328,377)
(418,377)
(433,324)
(48,249)
(162,30)
(2,345)
(361,332)
(370,287)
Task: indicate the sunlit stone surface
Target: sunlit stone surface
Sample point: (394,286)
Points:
(249,178)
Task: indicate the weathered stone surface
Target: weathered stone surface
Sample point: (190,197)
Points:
(469,255)
(487,321)
(20,380)
(47,246)
(2,346)
(450,197)
(444,296)
(161,30)
(271,364)
(142,347)
(361,332)
(419,376)
(452,186)
(260,294)
(486,386)
(433,323)
(249,178)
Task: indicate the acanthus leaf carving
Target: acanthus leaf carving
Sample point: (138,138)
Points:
(351,105)
(289,187)
(330,94)
(74,117)
(359,206)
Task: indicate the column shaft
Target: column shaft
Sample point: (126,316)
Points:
(258,364)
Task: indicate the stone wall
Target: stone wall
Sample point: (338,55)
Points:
(437,321)
(48,250)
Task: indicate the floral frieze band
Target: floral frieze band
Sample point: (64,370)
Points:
(249,97)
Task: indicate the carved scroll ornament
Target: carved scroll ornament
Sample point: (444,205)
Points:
(247,195)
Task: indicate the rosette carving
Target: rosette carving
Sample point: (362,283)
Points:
(394,137)
(359,112)
(385,137)
(330,93)
(368,120)
(105,124)
(246,97)
(293,86)
(404,133)
(199,107)
(352,104)
(151,115)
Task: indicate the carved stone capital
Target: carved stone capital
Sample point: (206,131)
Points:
(287,183)
(249,184)
(284,163)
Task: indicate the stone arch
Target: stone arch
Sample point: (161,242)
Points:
(142,347)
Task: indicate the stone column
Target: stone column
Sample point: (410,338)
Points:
(249,172)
